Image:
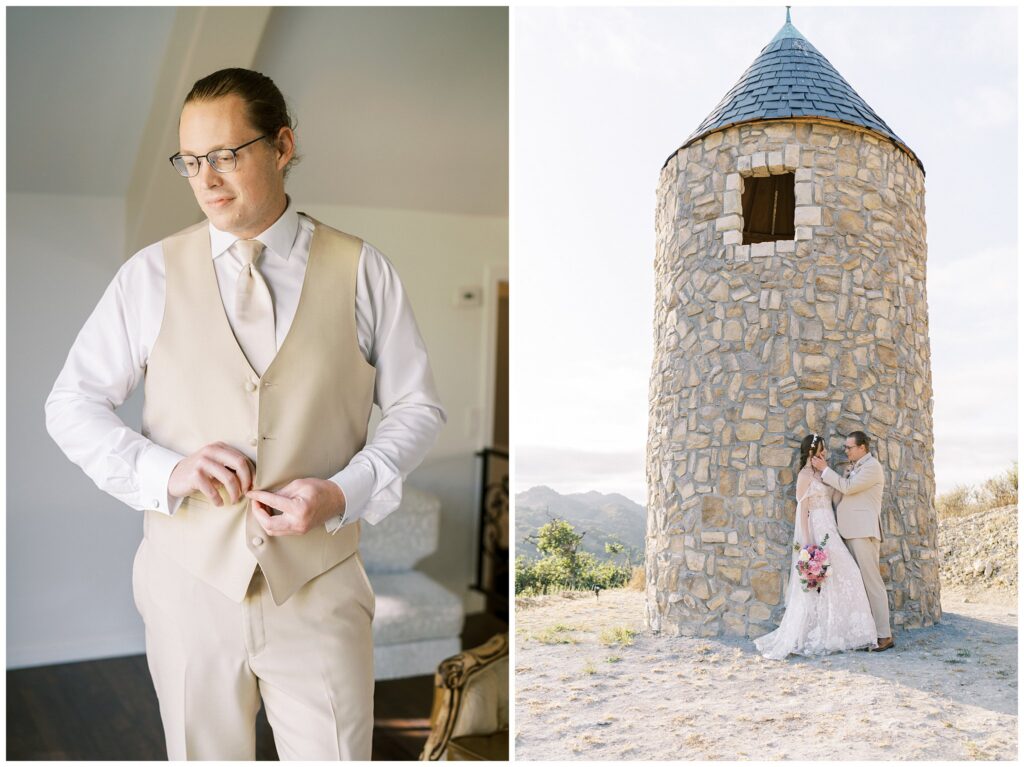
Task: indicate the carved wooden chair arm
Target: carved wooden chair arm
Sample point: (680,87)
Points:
(453,676)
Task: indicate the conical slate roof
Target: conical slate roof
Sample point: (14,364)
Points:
(790,78)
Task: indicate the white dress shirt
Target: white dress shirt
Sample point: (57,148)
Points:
(109,357)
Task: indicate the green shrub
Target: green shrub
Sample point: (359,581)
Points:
(563,568)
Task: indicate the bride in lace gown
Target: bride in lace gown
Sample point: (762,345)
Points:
(839,617)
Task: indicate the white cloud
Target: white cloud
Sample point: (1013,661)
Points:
(569,470)
(987,107)
(600,406)
(973,317)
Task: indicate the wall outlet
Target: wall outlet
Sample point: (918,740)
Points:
(471,296)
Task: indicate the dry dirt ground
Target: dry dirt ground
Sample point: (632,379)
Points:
(587,688)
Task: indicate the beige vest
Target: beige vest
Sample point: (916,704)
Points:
(306,417)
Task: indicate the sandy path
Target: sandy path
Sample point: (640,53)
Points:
(946,692)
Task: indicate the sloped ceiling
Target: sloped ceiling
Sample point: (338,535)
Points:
(79,89)
(397,107)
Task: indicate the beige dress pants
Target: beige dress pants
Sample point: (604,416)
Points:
(212,659)
(865,551)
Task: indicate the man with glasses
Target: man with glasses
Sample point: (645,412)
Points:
(858,517)
(263,338)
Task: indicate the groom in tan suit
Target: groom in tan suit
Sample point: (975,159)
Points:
(858,519)
(253,467)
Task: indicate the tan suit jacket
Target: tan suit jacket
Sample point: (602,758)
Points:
(859,513)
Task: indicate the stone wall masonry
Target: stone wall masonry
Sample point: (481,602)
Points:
(758,345)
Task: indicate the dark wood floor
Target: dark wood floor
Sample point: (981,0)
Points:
(107,709)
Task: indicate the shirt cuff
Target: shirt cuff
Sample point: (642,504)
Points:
(155,466)
(356,482)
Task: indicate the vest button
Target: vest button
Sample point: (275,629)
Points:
(254,442)
(250,386)
(257,541)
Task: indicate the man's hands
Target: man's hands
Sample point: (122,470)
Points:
(304,505)
(819,463)
(212,465)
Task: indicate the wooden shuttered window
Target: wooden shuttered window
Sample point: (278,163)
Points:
(768,204)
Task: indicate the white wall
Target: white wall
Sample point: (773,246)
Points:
(435,255)
(397,107)
(69,545)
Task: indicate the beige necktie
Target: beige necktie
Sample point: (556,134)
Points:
(254,309)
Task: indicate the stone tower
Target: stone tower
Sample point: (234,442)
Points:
(790,298)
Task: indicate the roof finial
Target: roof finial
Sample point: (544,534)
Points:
(787,13)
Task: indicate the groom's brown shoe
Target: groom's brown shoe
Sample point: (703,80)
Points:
(883,645)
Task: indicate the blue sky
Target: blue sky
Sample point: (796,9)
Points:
(603,95)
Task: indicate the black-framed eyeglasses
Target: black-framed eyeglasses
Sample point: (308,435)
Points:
(221,160)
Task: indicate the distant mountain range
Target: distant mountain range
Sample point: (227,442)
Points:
(604,518)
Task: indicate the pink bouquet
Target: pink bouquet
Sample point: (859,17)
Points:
(812,565)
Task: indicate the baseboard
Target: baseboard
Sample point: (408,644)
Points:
(67,651)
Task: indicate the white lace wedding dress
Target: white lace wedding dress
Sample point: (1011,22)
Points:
(839,617)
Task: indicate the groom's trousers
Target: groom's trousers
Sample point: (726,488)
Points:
(865,551)
(212,659)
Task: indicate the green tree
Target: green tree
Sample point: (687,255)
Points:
(564,566)
(526,577)
(559,541)
(550,573)
(558,538)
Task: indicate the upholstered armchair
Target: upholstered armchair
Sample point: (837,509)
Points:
(417,622)
(469,721)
